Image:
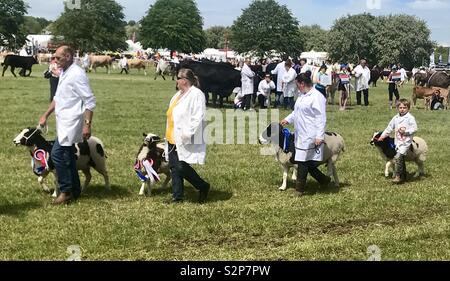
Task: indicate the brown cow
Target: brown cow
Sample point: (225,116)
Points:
(427,93)
(137,64)
(99,61)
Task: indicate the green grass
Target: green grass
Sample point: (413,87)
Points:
(246,217)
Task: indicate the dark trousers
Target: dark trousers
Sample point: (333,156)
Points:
(63,158)
(126,71)
(247,101)
(262,101)
(289,103)
(53,86)
(366,97)
(180,170)
(278,99)
(310,167)
(393,90)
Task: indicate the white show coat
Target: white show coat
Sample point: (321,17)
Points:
(309,118)
(73,96)
(188,120)
(402,143)
(280,71)
(264,88)
(290,88)
(247,80)
(362,77)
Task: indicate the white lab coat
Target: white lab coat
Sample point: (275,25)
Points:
(362,77)
(247,80)
(290,88)
(309,119)
(280,71)
(188,119)
(264,88)
(402,143)
(124,63)
(73,96)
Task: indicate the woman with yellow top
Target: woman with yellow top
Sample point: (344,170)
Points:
(184,136)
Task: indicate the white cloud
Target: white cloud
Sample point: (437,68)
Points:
(429,4)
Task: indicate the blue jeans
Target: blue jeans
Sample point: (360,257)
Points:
(65,163)
(180,170)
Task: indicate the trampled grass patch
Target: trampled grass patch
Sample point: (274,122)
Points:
(246,217)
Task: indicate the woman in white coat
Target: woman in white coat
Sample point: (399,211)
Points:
(288,84)
(309,119)
(184,135)
(247,89)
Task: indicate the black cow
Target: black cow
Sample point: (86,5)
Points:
(19,61)
(216,77)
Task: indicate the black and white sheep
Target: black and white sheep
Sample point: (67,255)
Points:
(89,154)
(334,146)
(151,153)
(417,152)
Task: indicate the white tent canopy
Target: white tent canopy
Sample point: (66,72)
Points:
(316,58)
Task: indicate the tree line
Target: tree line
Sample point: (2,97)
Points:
(264,26)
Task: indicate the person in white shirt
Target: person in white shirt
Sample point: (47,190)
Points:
(74,105)
(288,85)
(185,144)
(403,73)
(123,65)
(247,88)
(264,88)
(280,71)
(404,126)
(362,75)
(309,119)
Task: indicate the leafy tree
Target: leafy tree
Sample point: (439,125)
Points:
(35,25)
(130,30)
(313,37)
(440,50)
(12,33)
(216,36)
(351,38)
(173,24)
(404,39)
(99,25)
(266,26)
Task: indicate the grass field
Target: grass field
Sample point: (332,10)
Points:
(246,217)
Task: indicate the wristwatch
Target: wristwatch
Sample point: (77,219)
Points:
(87,122)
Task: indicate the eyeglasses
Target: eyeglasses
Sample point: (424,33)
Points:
(178,78)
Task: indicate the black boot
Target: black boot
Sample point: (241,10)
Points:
(300,188)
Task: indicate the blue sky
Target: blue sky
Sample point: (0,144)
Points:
(224,12)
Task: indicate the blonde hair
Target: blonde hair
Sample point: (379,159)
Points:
(190,76)
(405,102)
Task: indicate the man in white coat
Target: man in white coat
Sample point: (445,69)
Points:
(280,71)
(362,75)
(74,105)
(247,88)
(309,119)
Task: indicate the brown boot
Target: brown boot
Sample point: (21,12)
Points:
(397,180)
(299,188)
(63,198)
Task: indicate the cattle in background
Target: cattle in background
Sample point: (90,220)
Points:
(100,61)
(137,64)
(44,58)
(439,79)
(217,78)
(161,68)
(421,78)
(375,74)
(19,61)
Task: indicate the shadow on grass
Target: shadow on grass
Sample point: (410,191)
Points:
(99,191)
(314,188)
(191,194)
(18,209)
